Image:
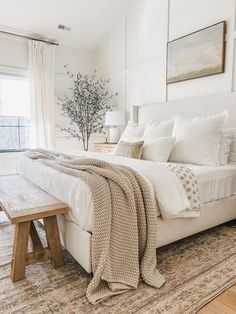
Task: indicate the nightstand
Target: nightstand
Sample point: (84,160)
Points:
(104,147)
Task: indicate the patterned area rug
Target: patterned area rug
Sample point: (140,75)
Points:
(196,270)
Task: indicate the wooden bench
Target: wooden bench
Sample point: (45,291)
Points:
(24,202)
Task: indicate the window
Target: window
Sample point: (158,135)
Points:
(14,113)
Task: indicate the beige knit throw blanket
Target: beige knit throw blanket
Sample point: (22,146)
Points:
(125,223)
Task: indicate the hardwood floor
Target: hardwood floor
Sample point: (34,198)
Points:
(225,303)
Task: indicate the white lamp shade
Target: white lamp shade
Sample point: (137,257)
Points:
(115,118)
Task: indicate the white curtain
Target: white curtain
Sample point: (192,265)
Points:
(42,87)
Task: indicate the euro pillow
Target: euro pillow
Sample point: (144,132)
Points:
(129,149)
(162,129)
(158,149)
(197,139)
(133,130)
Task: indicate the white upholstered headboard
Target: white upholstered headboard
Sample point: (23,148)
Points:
(206,105)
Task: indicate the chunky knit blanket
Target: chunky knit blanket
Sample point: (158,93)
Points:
(125,223)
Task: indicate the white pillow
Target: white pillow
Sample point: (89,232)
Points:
(158,149)
(133,130)
(197,139)
(161,129)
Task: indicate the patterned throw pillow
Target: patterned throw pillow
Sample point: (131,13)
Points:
(129,149)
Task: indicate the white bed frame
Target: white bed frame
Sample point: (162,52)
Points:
(78,241)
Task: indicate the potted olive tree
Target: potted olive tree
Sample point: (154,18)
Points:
(86,107)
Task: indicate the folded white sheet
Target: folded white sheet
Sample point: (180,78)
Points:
(166,186)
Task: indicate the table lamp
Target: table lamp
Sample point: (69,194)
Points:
(112,120)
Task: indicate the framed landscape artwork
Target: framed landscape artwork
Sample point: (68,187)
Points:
(198,54)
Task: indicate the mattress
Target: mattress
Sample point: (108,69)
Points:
(214,183)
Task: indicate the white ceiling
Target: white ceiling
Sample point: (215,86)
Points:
(90,19)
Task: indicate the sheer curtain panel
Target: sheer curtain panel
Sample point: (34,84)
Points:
(42,90)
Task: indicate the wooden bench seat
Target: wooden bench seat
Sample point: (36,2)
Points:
(24,202)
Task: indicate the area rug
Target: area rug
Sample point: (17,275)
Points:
(196,269)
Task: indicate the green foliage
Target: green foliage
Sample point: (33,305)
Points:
(86,107)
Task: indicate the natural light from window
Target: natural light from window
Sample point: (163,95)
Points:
(14,113)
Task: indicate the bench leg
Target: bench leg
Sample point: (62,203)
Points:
(36,242)
(20,250)
(53,238)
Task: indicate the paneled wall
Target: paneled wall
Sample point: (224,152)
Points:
(133,55)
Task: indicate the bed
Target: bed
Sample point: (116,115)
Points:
(217,185)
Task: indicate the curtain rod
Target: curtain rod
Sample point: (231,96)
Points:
(28,37)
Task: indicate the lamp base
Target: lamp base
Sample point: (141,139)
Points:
(114,135)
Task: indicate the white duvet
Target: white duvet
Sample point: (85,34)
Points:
(167,188)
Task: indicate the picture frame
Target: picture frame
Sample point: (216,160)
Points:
(198,54)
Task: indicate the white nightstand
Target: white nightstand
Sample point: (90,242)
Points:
(104,147)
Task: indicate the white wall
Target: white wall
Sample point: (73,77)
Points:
(78,61)
(14,59)
(198,14)
(133,54)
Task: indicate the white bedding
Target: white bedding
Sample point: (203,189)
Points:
(76,194)
(165,185)
(215,183)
